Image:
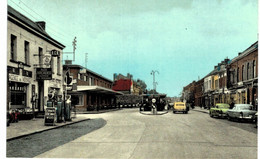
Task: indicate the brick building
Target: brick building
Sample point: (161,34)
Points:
(89,90)
(198,93)
(243,76)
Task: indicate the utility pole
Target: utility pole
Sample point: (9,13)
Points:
(74,47)
(86,60)
(154,83)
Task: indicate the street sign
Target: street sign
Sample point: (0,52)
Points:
(43,73)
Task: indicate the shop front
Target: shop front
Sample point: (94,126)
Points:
(19,90)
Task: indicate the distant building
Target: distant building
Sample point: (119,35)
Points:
(89,90)
(33,63)
(126,84)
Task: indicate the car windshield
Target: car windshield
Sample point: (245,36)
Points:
(179,104)
(245,108)
(223,106)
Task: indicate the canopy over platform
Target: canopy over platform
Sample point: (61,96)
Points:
(97,89)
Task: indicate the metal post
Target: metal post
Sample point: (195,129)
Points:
(154,83)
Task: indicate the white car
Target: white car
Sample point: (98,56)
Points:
(241,111)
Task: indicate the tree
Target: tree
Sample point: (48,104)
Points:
(142,84)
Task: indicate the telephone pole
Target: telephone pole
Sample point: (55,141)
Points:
(154,83)
(86,60)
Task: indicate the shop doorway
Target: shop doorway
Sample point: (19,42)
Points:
(41,96)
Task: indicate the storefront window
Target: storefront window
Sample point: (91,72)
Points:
(18,94)
(77,100)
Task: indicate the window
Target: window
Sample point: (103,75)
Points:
(26,52)
(13,47)
(89,81)
(243,73)
(40,56)
(18,94)
(216,84)
(247,71)
(254,69)
(238,74)
(77,100)
(58,65)
(78,76)
(92,81)
(52,64)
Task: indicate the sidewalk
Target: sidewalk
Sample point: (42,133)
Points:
(98,112)
(28,127)
(197,108)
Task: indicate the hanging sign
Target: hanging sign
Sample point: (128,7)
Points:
(43,73)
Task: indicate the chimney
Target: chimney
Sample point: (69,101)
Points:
(226,60)
(41,24)
(68,62)
(115,76)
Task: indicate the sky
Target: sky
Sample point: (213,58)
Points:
(182,40)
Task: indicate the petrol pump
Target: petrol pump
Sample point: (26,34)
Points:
(60,110)
(67,114)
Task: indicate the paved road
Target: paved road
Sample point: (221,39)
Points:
(129,134)
(36,144)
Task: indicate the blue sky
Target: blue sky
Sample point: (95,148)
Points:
(183,40)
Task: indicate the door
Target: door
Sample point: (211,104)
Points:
(40,96)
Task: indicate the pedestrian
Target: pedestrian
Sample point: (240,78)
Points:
(232,105)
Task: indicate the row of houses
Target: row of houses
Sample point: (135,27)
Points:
(35,69)
(233,80)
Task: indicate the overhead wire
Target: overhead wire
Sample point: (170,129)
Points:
(54,32)
(69,35)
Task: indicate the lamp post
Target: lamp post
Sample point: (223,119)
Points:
(154,83)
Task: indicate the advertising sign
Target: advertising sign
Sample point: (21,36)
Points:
(43,73)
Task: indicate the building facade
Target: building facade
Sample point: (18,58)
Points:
(88,90)
(233,80)
(126,84)
(34,66)
(243,76)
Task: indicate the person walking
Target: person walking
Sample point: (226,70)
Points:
(232,105)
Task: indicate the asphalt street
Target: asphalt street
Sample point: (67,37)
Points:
(36,144)
(129,134)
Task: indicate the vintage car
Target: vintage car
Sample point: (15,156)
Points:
(255,119)
(219,110)
(241,112)
(180,107)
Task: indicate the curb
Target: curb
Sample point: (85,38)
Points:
(39,131)
(89,112)
(154,114)
(201,111)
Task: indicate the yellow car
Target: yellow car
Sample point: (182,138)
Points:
(180,107)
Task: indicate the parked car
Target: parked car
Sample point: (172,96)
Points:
(241,112)
(219,110)
(255,119)
(180,107)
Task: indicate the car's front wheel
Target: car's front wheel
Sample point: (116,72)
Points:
(228,117)
(210,114)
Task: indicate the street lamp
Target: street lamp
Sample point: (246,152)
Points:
(154,83)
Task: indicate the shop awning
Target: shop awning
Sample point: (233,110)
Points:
(97,89)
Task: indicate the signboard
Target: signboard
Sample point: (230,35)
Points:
(43,73)
(55,53)
(46,60)
(17,78)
